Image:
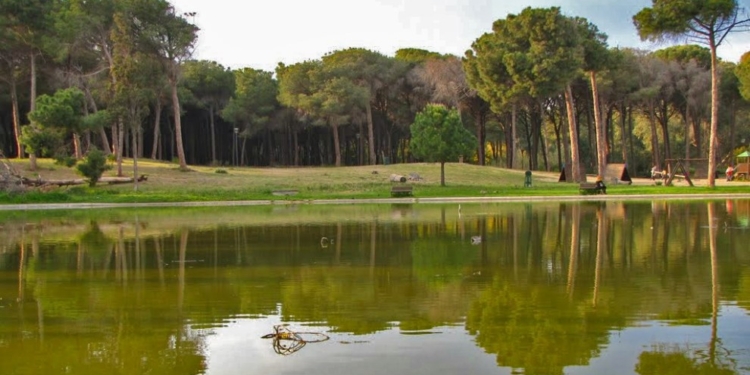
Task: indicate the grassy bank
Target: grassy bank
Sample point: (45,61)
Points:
(167,184)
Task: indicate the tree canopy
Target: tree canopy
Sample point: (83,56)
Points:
(438,135)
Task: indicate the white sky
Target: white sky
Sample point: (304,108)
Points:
(261,33)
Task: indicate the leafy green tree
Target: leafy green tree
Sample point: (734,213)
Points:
(322,95)
(170,37)
(55,115)
(369,70)
(743,75)
(253,102)
(40,141)
(211,85)
(133,74)
(532,55)
(94,166)
(24,26)
(595,59)
(685,53)
(416,55)
(707,22)
(437,135)
(84,29)
(444,79)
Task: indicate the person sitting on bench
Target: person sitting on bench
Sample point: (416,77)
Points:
(600,187)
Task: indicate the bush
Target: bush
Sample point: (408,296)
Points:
(93,166)
(65,160)
(221,171)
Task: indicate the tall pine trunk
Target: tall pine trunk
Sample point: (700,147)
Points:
(120,145)
(513,152)
(32,90)
(177,124)
(16,118)
(371,134)
(336,147)
(135,132)
(654,137)
(157,128)
(212,126)
(713,140)
(575,168)
(601,136)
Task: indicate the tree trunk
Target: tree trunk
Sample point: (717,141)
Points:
(135,133)
(713,140)
(623,132)
(687,136)
(242,157)
(157,128)
(479,118)
(114,131)
(102,133)
(16,117)
(32,91)
(296,148)
(601,139)
(664,123)
(177,124)
(557,125)
(212,127)
(336,147)
(77,146)
(120,145)
(442,173)
(513,152)
(573,130)
(370,135)
(654,137)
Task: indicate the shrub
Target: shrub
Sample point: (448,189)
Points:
(93,166)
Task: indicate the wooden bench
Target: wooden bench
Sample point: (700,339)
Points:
(401,190)
(586,188)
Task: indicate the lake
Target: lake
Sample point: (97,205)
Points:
(651,287)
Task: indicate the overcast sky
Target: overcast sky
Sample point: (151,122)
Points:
(261,33)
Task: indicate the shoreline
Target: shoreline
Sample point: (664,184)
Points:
(433,200)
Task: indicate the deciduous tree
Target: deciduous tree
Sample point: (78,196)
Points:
(437,135)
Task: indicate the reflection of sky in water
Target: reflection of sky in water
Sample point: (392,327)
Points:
(625,346)
(238,349)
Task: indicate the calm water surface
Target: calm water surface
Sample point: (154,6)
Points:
(591,288)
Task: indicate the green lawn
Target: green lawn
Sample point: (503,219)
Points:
(167,184)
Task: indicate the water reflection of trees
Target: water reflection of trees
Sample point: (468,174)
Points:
(82,318)
(542,290)
(676,359)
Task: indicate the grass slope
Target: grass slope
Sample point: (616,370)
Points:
(167,184)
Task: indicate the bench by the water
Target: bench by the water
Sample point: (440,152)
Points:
(401,190)
(589,188)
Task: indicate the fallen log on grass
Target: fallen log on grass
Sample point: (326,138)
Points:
(80,181)
(122,180)
(397,178)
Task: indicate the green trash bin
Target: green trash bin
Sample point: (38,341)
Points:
(527,181)
(386,160)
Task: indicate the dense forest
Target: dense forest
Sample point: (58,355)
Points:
(541,91)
